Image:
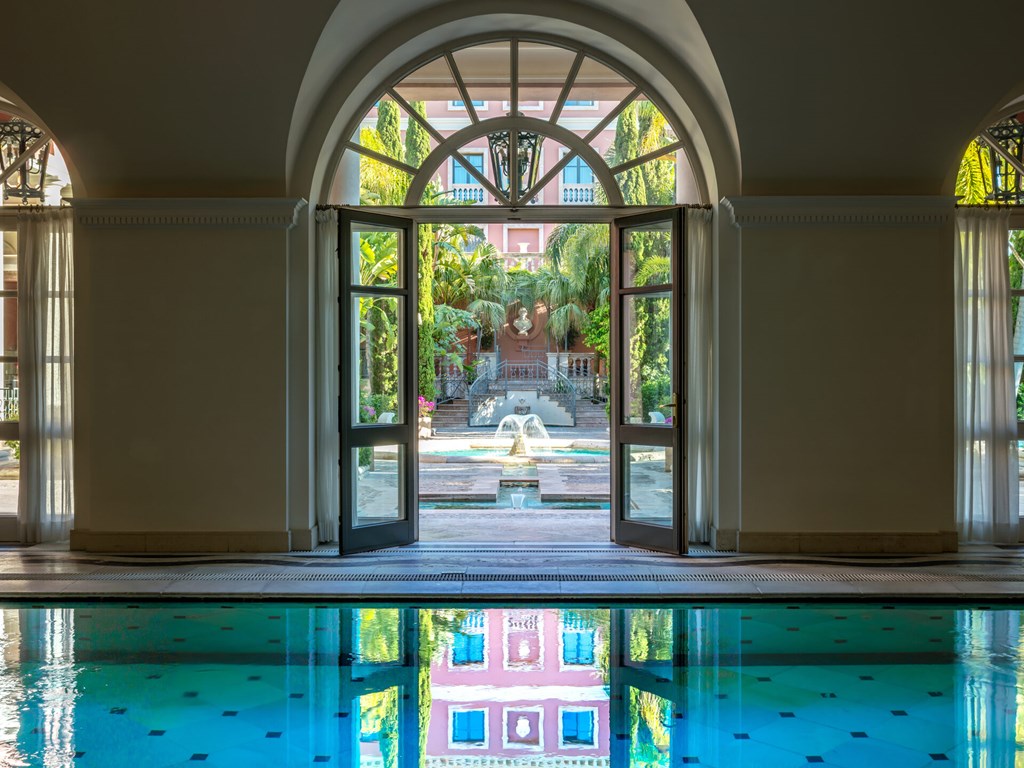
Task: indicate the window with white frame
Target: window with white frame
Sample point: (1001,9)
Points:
(525,106)
(577,171)
(459,104)
(461,175)
(580,104)
(576,183)
(469,642)
(467,728)
(577,726)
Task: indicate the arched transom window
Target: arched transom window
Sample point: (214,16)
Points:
(515,122)
(992,169)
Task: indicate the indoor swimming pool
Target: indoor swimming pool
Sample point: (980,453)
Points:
(396,686)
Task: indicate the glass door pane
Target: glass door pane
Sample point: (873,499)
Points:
(377,377)
(648,415)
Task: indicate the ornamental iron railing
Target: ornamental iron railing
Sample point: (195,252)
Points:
(521,376)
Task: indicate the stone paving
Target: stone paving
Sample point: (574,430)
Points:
(459,482)
(508,526)
(573,482)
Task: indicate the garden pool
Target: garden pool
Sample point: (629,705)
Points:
(247,684)
(501,451)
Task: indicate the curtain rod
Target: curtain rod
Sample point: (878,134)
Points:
(992,206)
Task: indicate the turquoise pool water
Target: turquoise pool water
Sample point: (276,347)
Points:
(713,685)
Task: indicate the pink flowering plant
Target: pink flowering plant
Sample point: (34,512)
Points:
(426,407)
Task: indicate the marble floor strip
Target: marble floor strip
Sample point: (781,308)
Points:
(580,572)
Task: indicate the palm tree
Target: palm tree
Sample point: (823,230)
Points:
(476,281)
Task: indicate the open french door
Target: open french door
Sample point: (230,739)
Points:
(377,321)
(648,398)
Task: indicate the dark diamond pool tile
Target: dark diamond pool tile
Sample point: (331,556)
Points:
(815,759)
(190,694)
(866,677)
(118,710)
(938,756)
(322,759)
(274,734)
(899,713)
(787,714)
(199,756)
(691,760)
(859,734)
(229,713)
(741,736)
(157,733)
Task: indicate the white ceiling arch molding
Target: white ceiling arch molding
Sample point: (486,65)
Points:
(359,54)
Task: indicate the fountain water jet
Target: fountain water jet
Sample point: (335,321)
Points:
(519,427)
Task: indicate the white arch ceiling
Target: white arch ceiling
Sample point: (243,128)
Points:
(362,49)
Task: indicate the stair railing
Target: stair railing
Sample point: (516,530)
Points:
(528,374)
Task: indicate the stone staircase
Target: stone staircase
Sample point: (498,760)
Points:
(590,415)
(452,415)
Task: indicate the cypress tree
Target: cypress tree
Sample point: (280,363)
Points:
(659,175)
(417,140)
(389,128)
(417,147)
(627,147)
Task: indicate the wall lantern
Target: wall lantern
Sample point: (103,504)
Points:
(527,158)
(1006,158)
(27,179)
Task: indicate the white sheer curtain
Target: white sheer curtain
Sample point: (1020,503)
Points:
(986,420)
(46,331)
(699,438)
(326,391)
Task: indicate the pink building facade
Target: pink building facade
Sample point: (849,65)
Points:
(521,683)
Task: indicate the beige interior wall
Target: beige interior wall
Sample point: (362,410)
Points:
(181,382)
(847,371)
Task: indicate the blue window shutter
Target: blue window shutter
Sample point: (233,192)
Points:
(475,649)
(570,648)
(585,727)
(569,726)
(586,647)
(476,725)
(460,730)
(460,648)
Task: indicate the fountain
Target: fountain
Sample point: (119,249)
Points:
(519,427)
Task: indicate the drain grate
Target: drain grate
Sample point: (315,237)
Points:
(822,577)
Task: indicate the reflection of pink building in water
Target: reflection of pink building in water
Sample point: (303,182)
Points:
(520,683)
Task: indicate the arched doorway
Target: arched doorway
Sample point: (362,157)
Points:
(989,295)
(36,329)
(448,129)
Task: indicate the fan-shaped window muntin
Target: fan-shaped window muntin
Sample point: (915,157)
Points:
(507,101)
(992,168)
